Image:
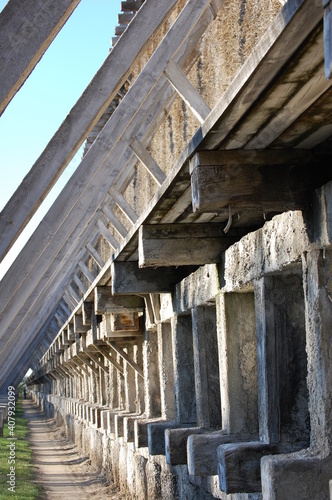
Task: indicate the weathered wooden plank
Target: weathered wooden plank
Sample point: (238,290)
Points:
(86,271)
(187,91)
(123,204)
(110,358)
(181,244)
(93,252)
(128,278)
(26,31)
(147,161)
(126,358)
(107,235)
(79,284)
(105,302)
(118,226)
(269,188)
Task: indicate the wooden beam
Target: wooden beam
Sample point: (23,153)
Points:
(95,357)
(328,38)
(126,358)
(27,29)
(93,252)
(107,235)
(87,362)
(79,284)
(182,244)
(187,91)
(110,358)
(147,161)
(265,181)
(118,226)
(86,271)
(123,205)
(105,302)
(128,278)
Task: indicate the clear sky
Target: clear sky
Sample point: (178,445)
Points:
(40,106)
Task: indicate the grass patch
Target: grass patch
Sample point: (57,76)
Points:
(25,488)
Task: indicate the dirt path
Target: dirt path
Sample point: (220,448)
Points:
(61,469)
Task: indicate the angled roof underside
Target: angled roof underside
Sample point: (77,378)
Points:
(36,297)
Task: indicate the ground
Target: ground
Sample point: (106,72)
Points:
(61,469)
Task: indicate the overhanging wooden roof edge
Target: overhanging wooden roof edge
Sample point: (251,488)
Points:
(88,109)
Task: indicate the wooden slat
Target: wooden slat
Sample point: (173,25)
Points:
(107,235)
(187,91)
(149,163)
(126,358)
(118,226)
(123,205)
(93,252)
(86,271)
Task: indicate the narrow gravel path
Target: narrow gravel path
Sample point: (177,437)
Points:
(60,468)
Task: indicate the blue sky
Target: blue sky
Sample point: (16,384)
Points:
(40,106)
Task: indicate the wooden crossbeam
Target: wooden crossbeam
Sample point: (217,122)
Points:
(82,357)
(86,271)
(126,358)
(95,358)
(187,91)
(79,284)
(265,181)
(73,294)
(128,278)
(149,163)
(105,302)
(123,205)
(182,244)
(110,358)
(118,226)
(107,235)
(95,255)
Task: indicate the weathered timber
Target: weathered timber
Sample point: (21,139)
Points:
(187,91)
(128,278)
(105,302)
(110,358)
(95,357)
(79,326)
(26,31)
(256,186)
(149,163)
(93,252)
(182,244)
(107,234)
(130,5)
(126,358)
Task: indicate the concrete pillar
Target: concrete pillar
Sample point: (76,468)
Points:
(206,363)
(238,362)
(139,381)
(166,371)
(130,383)
(184,378)
(151,374)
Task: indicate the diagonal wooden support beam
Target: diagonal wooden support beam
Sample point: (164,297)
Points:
(182,244)
(123,205)
(107,235)
(95,255)
(187,91)
(126,358)
(265,181)
(95,358)
(149,163)
(86,271)
(85,361)
(118,226)
(79,284)
(110,358)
